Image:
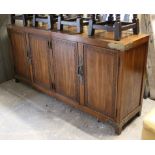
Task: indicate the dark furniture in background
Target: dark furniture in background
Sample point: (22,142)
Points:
(97,75)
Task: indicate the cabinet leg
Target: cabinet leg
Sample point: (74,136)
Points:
(139,113)
(17,81)
(118,130)
(98,120)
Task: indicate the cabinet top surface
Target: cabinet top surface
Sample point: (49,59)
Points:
(101,37)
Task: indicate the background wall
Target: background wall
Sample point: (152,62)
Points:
(148,26)
(6,70)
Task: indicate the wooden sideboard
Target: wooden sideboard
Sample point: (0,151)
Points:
(95,74)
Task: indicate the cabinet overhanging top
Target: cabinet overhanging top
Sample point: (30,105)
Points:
(101,38)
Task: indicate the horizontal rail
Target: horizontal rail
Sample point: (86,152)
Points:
(103,27)
(126,27)
(69,23)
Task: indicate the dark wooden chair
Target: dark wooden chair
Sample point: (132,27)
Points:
(78,21)
(23,17)
(112,25)
(45,19)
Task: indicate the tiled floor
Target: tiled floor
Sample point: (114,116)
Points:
(28,114)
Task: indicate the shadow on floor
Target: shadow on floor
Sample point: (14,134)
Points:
(47,116)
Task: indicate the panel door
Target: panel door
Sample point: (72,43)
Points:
(20,55)
(65,57)
(100,79)
(40,56)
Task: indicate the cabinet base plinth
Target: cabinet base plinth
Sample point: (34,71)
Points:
(138,114)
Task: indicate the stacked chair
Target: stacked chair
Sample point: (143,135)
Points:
(112,25)
(23,17)
(70,21)
(94,21)
(49,19)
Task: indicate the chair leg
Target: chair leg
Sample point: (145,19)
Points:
(12,18)
(117,30)
(91,31)
(24,20)
(59,25)
(79,25)
(110,18)
(136,21)
(34,23)
(51,21)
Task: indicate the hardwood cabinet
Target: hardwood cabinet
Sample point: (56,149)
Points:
(99,76)
(20,55)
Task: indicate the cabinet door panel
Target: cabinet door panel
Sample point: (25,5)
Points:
(65,58)
(100,73)
(40,61)
(21,67)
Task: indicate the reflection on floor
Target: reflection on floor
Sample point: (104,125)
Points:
(28,114)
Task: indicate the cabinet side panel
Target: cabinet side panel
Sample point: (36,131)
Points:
(131,79)
(100,79)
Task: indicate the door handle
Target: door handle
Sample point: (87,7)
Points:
(80,69)
(80,72)
(28,56)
